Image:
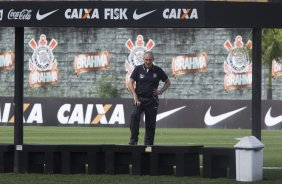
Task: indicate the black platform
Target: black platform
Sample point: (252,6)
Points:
(219,162)
(121,159)
(185,159)
(6,158)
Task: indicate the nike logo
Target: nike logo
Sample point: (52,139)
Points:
(271,121)
(139,16)
(166,114)
(212,120)
(43,16)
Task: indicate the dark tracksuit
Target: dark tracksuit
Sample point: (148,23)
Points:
(146,82)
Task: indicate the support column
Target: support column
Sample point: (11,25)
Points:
(256,89)
(18,98)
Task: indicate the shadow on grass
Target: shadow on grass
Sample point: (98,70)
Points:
(272,174)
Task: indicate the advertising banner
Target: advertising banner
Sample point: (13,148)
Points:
(115,112)
(100,14)
(189,63)
(91,62)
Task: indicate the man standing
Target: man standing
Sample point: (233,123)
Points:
(147,77)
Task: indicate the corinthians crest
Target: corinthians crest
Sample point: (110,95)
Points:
(43,65)
(238,65)
(135,57)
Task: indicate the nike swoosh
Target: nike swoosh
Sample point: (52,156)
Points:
(271,121)
(166,114)
(139,16)
(43,16)
(212,120)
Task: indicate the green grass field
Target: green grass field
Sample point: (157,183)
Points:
(164,136)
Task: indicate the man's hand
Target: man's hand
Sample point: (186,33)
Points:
(136,100)
(135,97)
(157,92)
(164,88)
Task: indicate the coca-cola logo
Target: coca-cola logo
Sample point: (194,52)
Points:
(24,14)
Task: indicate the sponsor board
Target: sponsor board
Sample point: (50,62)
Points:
(195,14)
(43,65)
(91,62)
(99,14)
(238,65)
(189,63)
(177,113)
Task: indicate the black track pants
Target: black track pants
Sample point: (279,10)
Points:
(150,109)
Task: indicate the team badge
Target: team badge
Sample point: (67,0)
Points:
(136,55)
(43,65)
(238,65)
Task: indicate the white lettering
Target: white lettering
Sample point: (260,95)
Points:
(77,115)
(101,111)
(67,14)
(165,13)
(180,13)
(63,113)
(239,79)
(44,77)
(115,13)
(190,63)
(82,13)
(6,60)
(91,61)
(95,14)
(88,114)
(25,14)
(194,14)
(68,116)
(35,114)
(6,112)
(118,115)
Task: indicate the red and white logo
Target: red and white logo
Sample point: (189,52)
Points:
(136,55)
(238,65)
(43,65)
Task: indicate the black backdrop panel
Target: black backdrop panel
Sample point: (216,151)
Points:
(102,14)
(173,113)
(141,14)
